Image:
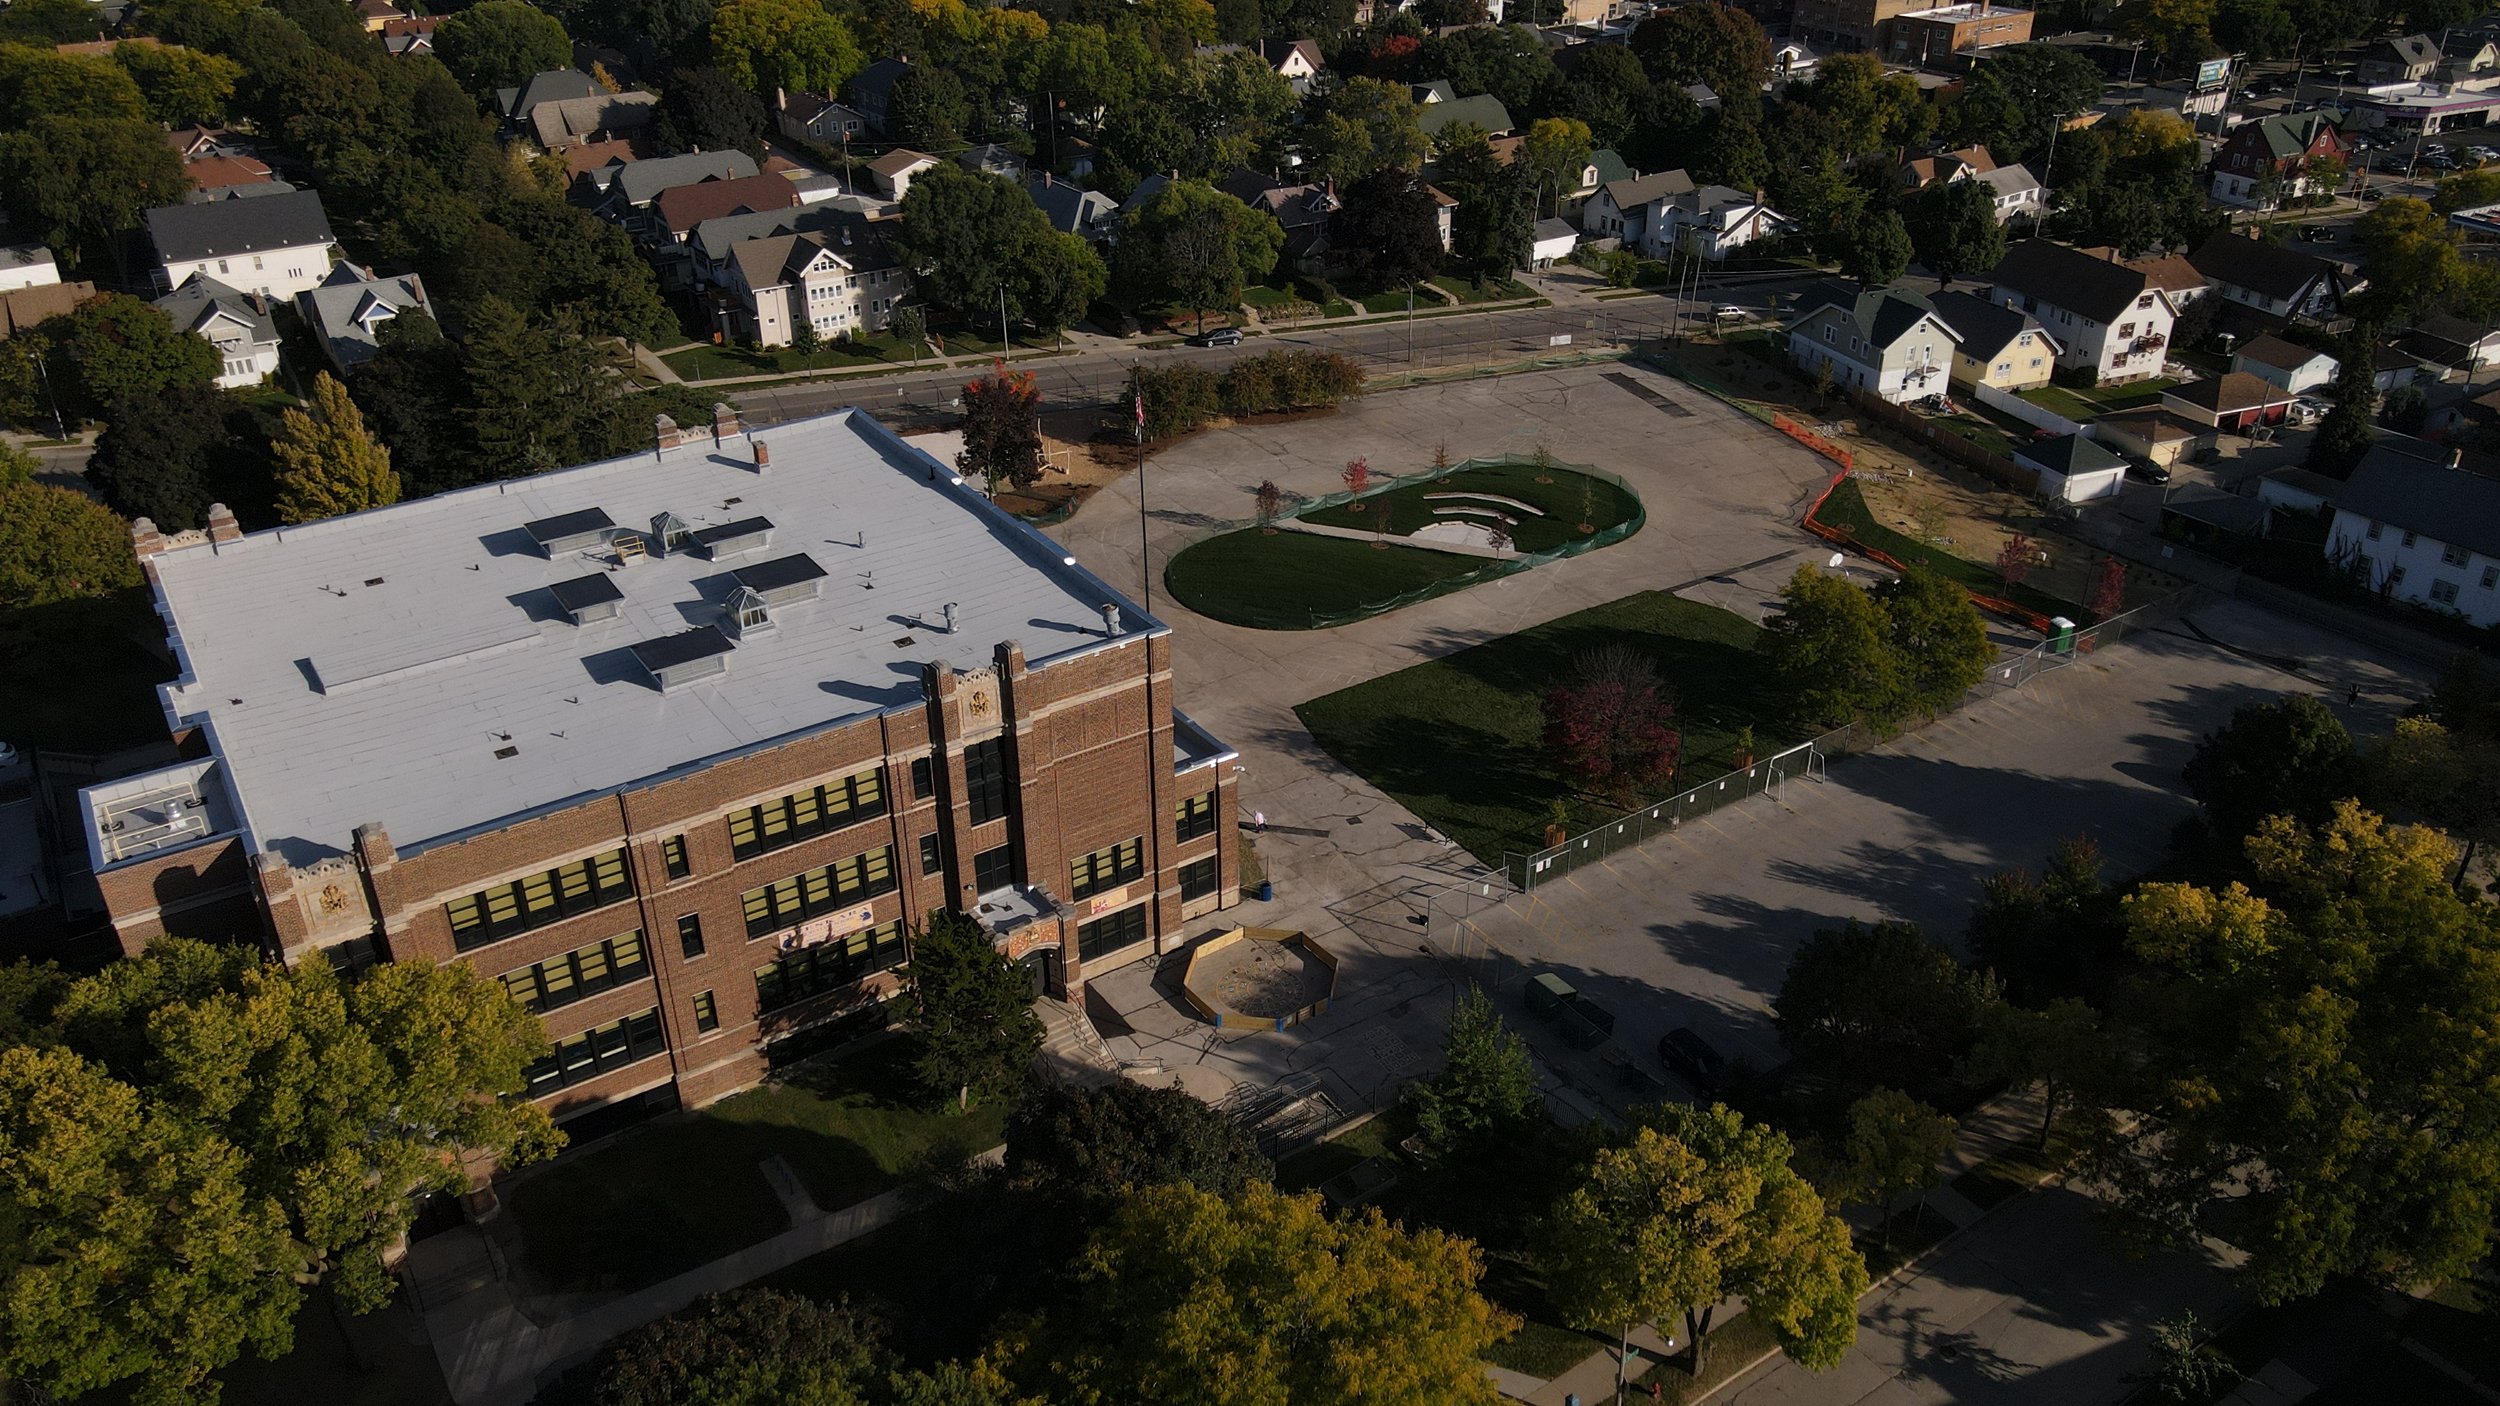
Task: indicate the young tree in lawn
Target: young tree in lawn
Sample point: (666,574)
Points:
(977,1027)
(1692,1206)
(1893,1147)
(1269,501)
(2290,756)
(1830,645)
(2109,588)
(1357,476)
(1880,1006)
(327,463)
(1487,1087)
(1002,428)
(2059,1047)
(2014,560)
(1939,643)
(2182,1365)
(1611,725)
(804,338)
(910,327)
(500,44)
(1263,1297)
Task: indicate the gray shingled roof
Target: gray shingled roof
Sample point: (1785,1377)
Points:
(2065,277)
(202,299)
(1484,109)
(641,182)
(553,85)
(348,310)
(1882,316)
(1637,191)
(2260,266)
(2069,454)
(1987,328)
(227,227)
(2396,485)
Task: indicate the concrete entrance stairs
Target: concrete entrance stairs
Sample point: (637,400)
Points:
(1072,1050)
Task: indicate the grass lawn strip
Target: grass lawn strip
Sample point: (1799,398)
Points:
(1300,578)
(2013,1171)
(1561,505)
(1846,507)
(1459,740)
(2093,403)
(690,1190)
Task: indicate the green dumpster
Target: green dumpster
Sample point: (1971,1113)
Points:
(1548,993)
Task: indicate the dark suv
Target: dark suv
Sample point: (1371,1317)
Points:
(1220,337)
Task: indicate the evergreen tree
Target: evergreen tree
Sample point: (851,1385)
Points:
(327,464)
(1487,1087)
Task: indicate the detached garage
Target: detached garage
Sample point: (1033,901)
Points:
(2073,469)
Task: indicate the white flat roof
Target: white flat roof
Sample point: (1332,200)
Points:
(376,667)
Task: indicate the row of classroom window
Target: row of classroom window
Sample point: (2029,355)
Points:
(567,891)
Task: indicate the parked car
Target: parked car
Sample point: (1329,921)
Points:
(1220,337)
(2372,193)
(1729,312)
(2145,471)
(2317,234)
(2483,153)
(1692,1059)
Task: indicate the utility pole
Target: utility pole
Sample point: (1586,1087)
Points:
(1145,559)
(1002,322)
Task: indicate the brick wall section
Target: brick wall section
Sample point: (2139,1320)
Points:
(202,891)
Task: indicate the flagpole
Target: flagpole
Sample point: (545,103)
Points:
(1145,559)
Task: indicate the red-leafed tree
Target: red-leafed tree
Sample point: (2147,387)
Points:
(1002,428)
(1612,724)
(1357,476)
(2109,589)
(2014,563)
(1392,57)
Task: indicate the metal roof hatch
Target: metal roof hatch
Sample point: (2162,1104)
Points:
(727,539)
(683,657)
(588,598)
(570,532)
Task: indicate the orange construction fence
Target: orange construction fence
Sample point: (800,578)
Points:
(1994,605)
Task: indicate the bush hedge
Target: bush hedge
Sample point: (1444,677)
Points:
(1179,399)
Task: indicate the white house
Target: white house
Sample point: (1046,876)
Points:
(1888,342)
(896,170)
(27,266)
(2016,192)
(1715,222)
(2107,317)
(237,324)
(2272,278)
(841,280)
(1621,209)
(813,117)
(347,311)
(1555,239)
(276,246)
(2420,529)
(2284,363)
(2073,469)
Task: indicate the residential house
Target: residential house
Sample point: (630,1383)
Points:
(2421,529)
(1930,37)
(27,266)
(813,117)
(1702,95)
(236,323)
(2173,274)
(624,193)
(1554,240)
(814,187)
(2278,158)
(1792,61)
(1483,110)
(1072,209)
(843,280)
(515,105)
(2272,278)
(1297,61)
(1437,90)
(675,213)
(1621,209)
(2408,58)
(2107,318)
(2012,189)
(413,35)
(991,159)
(347,311)
(1444,215)
(2073,469)
(2452,342)
(569,122)
(276,246)
(1715,222)
(2001,347)
(2392,367)
(2158,437)
(231,177)
(376,13)
(872,88)
(22,308)
(592,165)
(192,143)
(2233,402)
(1302,210)
(2017,193)
(1602,166)
(895,171)
(2283,363)
(1888,342)
(1920,172)
(709,248)
(2300,491)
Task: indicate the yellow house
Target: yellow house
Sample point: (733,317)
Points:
(2000,347)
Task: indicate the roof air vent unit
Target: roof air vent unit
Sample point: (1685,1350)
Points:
(669,532)
(570,532)
(747,612)
(728,539)
(783,580)
(588,598)
(684,657)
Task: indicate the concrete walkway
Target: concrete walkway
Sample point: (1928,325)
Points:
(495,1350)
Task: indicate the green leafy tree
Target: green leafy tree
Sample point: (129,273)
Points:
(1879,1006)
(1494,228)
(137,1249)
(2345,434)
(500,44)
(1609,91)
(79,183)
(1368,125)
(1953,226)
(1487,1087)
(48,22)
(1194,246)
(793,45)
(928,108)
(410,394)
(59,545)
(2290,756)
(1263,1297)
(168,455)
(1693,1206)
(2056,935)
(1895,1146)
(2060,1048)
(1061,277)
(2451,777)
(38,82)
(1511,62)
(972,239)
(181,85)
(748,1347)
(2183,1366)
(2466,189)
(1002,428)
(2318,1052)
(1865,110)
(804,338)
(1390,229)
(977,1027)
(1939,642)
(1876,250)
(2417,263)
(910,326)
(122,346)
(539,397)
(327,462)
(1831,647)
(1716,45)
(1093,1144)
(1554,153)
(704,109)
(2014,100)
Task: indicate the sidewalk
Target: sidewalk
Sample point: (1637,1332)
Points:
(494,1352)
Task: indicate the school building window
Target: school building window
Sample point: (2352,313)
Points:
(923,778)
(806,814)
(985,779)
(1125,928)
(594,1052)
(690,935)
(828,966)
(585,971)
(539,899)
(993,868)
(1194,816)
(1198,879)
(932,855)
(821,890)
(673,853)
(706,1012)
(1107,868)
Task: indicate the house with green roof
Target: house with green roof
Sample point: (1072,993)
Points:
(2280,158)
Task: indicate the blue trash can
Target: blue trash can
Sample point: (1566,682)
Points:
(1267,891)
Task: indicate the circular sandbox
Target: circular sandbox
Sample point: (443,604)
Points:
(1259,979)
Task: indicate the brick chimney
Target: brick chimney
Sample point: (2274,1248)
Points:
(724,422)
(763,458)
(666,433)
(221,524)
(145,540)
